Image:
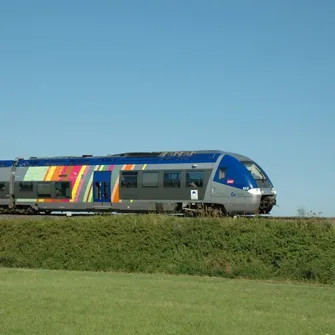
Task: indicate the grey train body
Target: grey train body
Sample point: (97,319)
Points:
(195,182)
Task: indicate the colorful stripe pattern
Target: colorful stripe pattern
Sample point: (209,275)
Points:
(81,178)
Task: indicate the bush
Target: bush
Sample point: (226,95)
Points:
(260,249)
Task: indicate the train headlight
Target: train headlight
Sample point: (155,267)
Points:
(273,191)
(255,191)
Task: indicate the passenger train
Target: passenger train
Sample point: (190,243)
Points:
(209,182)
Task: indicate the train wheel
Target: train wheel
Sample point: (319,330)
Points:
(30,211)
(216,213)
(266,206)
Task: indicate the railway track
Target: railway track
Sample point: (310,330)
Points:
(69,214)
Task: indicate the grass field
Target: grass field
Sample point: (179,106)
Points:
(65,302)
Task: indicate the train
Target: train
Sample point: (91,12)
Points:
(192,183)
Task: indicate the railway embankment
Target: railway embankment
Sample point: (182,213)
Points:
(302,250)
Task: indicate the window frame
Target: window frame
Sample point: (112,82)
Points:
(187,183)
(129,173)
(41,195)
(153,172)
(222,170)
(69,187)
(179,172)
(26,189)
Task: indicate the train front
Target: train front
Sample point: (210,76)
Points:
(262,187)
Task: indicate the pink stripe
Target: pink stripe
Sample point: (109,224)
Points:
(74,174)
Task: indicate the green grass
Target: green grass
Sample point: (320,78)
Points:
(66,302)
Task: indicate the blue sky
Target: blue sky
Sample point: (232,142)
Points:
(253,77)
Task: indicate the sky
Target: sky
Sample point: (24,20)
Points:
(101,77)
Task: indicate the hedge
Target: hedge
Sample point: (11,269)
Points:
(302,250)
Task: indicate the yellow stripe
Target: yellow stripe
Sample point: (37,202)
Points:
(50,173)
(144,166)
(76,184)
(47,177)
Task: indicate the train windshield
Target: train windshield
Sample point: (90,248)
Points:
(258,174)
(255,171)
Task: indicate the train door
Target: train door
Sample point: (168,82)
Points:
(102,188)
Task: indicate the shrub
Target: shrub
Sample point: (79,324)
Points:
(252,248)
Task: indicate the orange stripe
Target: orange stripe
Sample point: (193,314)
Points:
(62,171)
(129,167)
(89,192)
(116,191)
(57,172)
(68,172)
(55,177)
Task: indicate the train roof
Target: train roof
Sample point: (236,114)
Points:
(7,163)
(239,156)
(156,157)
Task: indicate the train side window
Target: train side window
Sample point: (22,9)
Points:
(44,190)
(150,179)
(26,186)
(171,179)
(2,187)
(62,189)
(195,179)
(222,173)
(129,179)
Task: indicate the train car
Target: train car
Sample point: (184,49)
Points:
(6,201)
(189,182)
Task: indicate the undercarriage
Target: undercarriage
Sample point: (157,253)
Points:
(267,203)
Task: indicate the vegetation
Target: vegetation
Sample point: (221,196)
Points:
(66,302)
(303,213)
(301,250)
